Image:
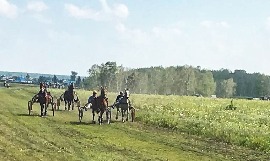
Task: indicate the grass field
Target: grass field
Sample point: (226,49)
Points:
(165,128)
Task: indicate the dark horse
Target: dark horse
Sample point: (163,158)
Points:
(100,105)
(44,99)
(125,107)
(69,97)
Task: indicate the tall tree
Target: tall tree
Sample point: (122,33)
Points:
(93,80)
(27,77)
(54,79)
(73,76)
(240,78)
(44,79)
(78,81)
(107,73)
(131,81)
(226,88)
(206,85)
(262,85)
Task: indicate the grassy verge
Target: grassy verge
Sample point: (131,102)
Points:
(62,137)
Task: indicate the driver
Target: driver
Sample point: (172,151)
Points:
(92,98)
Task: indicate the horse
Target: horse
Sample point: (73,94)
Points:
(44,99)
(125,107)
(68,97)
(99,106)
(102,105)
(49,100)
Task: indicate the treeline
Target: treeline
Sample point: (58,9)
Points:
(179,80)
(32,75)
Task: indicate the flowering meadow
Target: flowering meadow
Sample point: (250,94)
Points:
(247,126)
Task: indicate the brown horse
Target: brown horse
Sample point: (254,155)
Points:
(100,105)
(49,101)
(44,99)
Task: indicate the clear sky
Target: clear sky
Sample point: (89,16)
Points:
(59,36)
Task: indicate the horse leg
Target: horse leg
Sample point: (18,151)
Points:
(41,109)
(132,114)
(80,114)
(45,108)
(117,110)
(53,107)
(100,118)
(65,105)
(30,106)
(93,121)
(69,103)
(108,115)
(127,113)
(122,112)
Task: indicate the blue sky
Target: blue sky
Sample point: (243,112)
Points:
(60,36)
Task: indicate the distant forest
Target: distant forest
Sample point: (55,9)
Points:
(178,80)
(33,75)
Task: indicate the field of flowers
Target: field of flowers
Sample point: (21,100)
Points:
(247,126)
(63,137)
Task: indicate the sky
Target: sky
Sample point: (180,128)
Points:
(60,36)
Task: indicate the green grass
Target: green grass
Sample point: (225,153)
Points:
(248,125)
(62,137)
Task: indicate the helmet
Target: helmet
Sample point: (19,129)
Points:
(94,92)
(121,93)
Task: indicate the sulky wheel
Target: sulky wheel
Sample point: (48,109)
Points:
(132,111)
(29,107)
(53,109)
(80,114)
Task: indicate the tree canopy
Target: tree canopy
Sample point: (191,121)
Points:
(180,80)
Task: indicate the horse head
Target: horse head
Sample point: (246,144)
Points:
(103,91)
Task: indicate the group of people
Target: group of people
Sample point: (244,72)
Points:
(123,96)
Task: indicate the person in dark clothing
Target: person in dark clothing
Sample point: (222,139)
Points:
(119,97)
(93,97)
(42,100)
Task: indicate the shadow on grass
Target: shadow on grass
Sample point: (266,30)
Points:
(33,115)
(26,114)
(61,110)
(80,123)
(88,123)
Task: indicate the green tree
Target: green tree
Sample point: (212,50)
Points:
(131,81)
(206,85)
(107,73)
(54,79)
(27,77)
(262,85)
(240,78)
(226,88)
(73,76)
(93,80)
(44,79)
(78,81)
